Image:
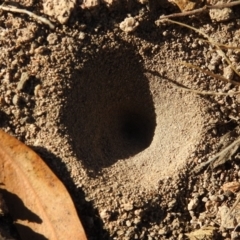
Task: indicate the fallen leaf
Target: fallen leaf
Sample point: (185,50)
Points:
(36,199)
(204,233)
(231,186)
(187,5)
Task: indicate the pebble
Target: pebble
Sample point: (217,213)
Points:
(128,207)
(205,199)
(137,221)
(129,25)
(220,15)
(162,231)
(228,73)
(82,35)
(128,223)
(214,198)
(193,204)
(16,100)
(52,38)
(172,203)
(37,90)
(24,78)
(104,214)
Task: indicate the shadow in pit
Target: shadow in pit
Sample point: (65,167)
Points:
(109,113)
(88,215)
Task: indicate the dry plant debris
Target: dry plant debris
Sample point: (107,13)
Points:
(205,233)
(30,14)
(188,8)
(36,199)
(231,186)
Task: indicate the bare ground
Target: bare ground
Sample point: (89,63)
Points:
(102,108)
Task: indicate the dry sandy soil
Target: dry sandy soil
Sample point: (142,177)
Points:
(105,109)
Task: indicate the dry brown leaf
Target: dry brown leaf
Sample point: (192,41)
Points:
(187,5)
(37,200)
(231,186)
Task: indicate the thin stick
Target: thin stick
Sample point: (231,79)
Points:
(30,14)
(217,76)
(223,46)
(220,51)
(201,10)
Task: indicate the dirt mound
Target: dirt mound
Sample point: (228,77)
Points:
(116,110)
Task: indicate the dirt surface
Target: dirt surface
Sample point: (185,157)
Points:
(101,104)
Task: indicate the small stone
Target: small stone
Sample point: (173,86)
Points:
(172,203)
(90,3)
(52,38)
(16,100)
(128,223)
(221,197)
(60,9)
(129,24)
(193,204)
(136,221)
(104,214)
(82,35)
(220,15)
(37,91)
(162,231)
(128,207)
(228,73)
(205,199)
(120,232)
(138,212)
(214,198)
(24,78)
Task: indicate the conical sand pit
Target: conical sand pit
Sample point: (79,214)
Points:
(125,121)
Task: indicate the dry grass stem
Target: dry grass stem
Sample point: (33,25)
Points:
(222,46)
(217,76)
(30,14)
(206,8)
(211,41)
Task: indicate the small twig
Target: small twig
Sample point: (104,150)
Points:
(223,46)
(201,10)
(217,76)
(30,14)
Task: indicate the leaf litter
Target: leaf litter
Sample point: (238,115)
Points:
(36,199)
